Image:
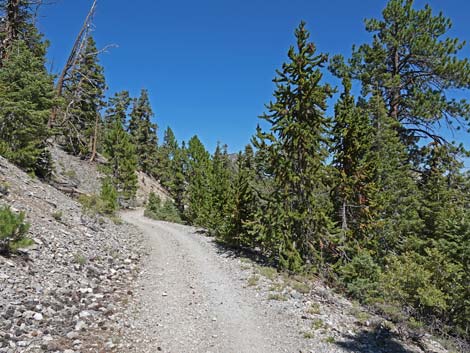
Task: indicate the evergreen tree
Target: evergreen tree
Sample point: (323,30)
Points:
(295,224)
(162,211)
(117,108)
(414,65)
(167,162)
(26,99)
(17,24)
(351,139)
(221,191)
(122,161)
(413,245)
(13,230)
(108,197)
(180,183)
(144,133)
(245,202)
(389,219)
(444,245)
(392,197)
(199,174)
(84,98)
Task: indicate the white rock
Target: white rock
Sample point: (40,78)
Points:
(84,314)
(72,335)
(81,325)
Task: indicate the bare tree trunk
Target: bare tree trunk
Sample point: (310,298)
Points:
(73,58)
(95,139)
(344,221)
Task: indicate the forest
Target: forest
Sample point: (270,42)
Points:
(374,199)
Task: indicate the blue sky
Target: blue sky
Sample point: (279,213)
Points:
(209,64)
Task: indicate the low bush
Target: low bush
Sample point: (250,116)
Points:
(162,211)
(13,231)
(104,204)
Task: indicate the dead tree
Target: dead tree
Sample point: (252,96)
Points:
(94,140)
(73,58)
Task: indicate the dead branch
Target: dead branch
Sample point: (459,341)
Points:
(77,49)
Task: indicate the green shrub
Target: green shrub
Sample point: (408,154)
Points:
(90,203)
(4,186)
(361,277)
(153,204)
(57,215)
(409,282)
(12,231)
(104,204)
(70,173)
(80,259)
(109,198)
(162,211)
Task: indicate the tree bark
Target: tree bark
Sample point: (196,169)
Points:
(11,26)
(95,139)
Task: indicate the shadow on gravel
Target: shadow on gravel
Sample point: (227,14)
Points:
(375,341)
(237,252)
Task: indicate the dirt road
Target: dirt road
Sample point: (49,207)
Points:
(193,296)
(193,300)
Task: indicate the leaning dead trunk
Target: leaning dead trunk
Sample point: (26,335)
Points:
(72,60)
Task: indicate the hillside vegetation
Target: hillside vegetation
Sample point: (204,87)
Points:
(373,199)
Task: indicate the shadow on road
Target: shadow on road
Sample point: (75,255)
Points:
(373,341)
(236,252)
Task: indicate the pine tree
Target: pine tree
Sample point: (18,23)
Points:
(245,202)
(25,89)
(389,218)
(295,226)
(221,191)
(162,211)
(17,24)
(144,133)
(13,230)
(122,161)
(117,108)
(180,182)
(413,245)
(414,65)
(351,139)
(167,164)
(84,98)
(444,244)
(108,197)
(199,174)
(26,99)
(392,197)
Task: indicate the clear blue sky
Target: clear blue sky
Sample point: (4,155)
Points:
(209,64)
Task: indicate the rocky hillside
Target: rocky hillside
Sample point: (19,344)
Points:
(64,293)
(73,174)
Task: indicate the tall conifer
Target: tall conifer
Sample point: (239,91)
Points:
(351,139)
(144,133)
(221,191)
(245,202)
(167,167)
(118,148)
(26,88)
(295,224)
(413,63)
(199,174)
